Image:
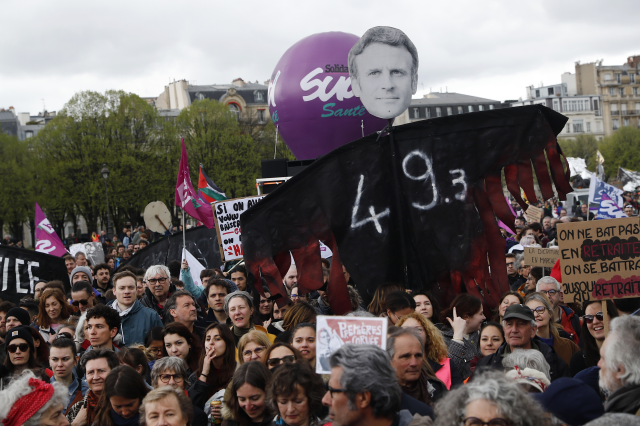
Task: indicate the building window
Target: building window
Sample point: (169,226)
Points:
(470,108)
(449,111)
(635,91)
(632,78)
(619,78)
(568,127)
(258,96)
(624,109)
(612,91)
(199,96)
(616,124)
(577,126)
(235,109)
(537,93)
(416,113)
(460,110)
(607,77)
(490,106)
(261,116)
(625,122)
(28,134)
(621,91)
(480,107)
(614,109)
(556,105)
(550,91)
(438,112)
(588,127)
(637,108)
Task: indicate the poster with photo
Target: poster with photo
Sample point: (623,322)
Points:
(332,332)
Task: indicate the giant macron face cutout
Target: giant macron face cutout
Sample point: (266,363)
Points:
(383,66)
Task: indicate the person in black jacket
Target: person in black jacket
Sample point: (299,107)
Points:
(520,333)
(159,288)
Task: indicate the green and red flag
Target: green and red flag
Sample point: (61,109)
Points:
(207,190)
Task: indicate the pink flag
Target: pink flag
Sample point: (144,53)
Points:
(503,225)
(47,241)
(187,198)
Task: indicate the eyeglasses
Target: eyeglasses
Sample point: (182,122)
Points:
(256,351)
(510,263)
(166,378)
(159,280)
(589,318)
(22,346)
(550,292)
(332,390)
(277,361)
(82,302)
(539,310)
(474,421)
(155,350)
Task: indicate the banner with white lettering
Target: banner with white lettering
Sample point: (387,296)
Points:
(332,332)
(20,269)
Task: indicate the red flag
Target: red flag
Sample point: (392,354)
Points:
(187,198)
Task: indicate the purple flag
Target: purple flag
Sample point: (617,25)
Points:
(187,198)
(47,241)
(502,225)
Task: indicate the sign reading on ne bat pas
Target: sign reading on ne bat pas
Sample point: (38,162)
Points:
(228,225)
(600,259)
(537,256)
(334,332)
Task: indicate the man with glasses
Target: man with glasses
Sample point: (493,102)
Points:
(628,210)
(515,280)
(173,371)
(363,390)
(520,327)
(136,319)
(159,288)
(564,315)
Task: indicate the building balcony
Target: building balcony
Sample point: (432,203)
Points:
(597,113)
(610,83)
(631,112)
(615,112)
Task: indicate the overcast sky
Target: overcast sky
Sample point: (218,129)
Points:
(494,49)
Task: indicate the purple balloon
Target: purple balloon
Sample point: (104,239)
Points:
(310,97)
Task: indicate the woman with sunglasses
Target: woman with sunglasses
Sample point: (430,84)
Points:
(252,346)
(20,356)
(248,396)
(217,364)
(280,353)
(53,310)
(549,331)
(592,335)
(296,394)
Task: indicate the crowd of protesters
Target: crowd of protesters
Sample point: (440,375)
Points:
(128,346)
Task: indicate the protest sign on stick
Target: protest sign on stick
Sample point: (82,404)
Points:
(227,215)
(332,332)
(537,256)
(534,214)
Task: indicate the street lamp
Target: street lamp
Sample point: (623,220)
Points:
(105,175)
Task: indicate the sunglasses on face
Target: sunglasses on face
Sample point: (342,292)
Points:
(589,318)
(82,302)
(22,346)
(277,361)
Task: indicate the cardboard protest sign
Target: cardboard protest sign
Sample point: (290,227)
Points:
(448,171)
(227,215)
(22,268)
(92,251)
(537,256)
(534,214)
(600,259)
(332,332)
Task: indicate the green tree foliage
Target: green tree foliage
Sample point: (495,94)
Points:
(583,146)
(622,149)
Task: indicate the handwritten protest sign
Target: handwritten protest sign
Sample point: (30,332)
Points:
(536,256)
(227,215)
(534,214)
(600,259)
(334,332)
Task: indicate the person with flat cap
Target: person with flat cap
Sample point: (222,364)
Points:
(520,328)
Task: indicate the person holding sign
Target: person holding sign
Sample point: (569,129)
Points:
(520,328)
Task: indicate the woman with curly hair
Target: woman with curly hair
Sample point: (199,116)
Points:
(295,395)
(490,398)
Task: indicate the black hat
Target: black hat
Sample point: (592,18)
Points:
(519,311)
(19,332)
(20,314)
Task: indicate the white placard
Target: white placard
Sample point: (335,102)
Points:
(227,214)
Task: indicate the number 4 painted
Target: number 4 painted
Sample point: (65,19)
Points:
(375,217)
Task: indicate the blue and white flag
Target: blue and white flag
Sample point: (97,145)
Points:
(609,210)
(598,187)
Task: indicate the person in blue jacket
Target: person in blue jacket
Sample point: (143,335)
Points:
(135,319)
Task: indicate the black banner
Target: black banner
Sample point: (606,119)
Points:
(419,209)
(20,269)
(202,243)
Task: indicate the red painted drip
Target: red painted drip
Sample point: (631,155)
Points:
(542,173)
(498,202)
(338,293)
(525,177)
(309,266)
(560,178)
(283,262)
(273,278)
(511,177)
